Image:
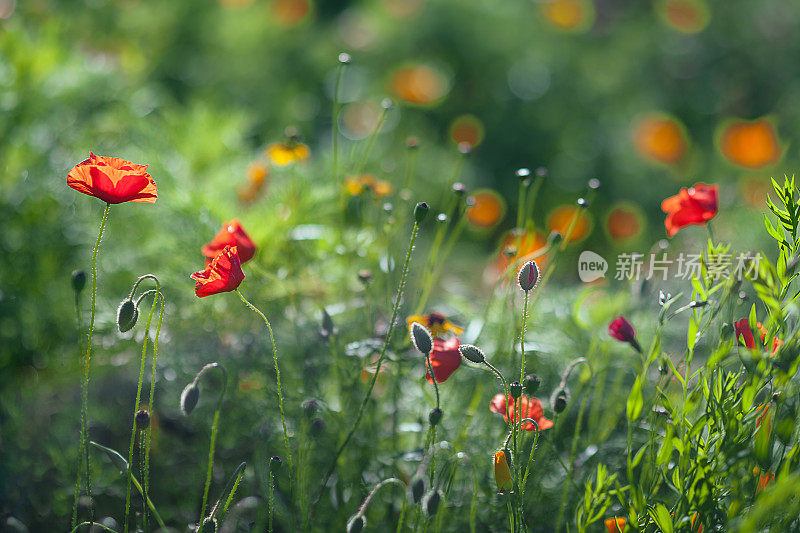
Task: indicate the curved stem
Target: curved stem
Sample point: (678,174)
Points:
(277,378)
(382,356)
(87,362)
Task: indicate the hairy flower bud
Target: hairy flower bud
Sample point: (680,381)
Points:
(356,524)
(430,503)
(435,416)
(127,315)
(420,210)
(421,337)
(142,419)
(78,280)
(560,400)
(528,276)
(531,384)
(472,353)
(189,398)
(210,524)
(515,389)
(275,464)
(417,486)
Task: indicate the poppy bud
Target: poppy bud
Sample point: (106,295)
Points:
(583,203)
(127,315)
(442,217)
(310,407)
(344,58)
(528,276)
(502,472)
(365,276)
(515,389)
(430,503)
(532,383)
(420,210)
(435,416)
(417,488)
(386,104)
(78,280)
(274,464)
(560,400)
(210,524)
(523,173)
(554,238)
(459,188)
(142,419)
(594,184)
(189,397)
(423,341)
(472,353)
(356,524)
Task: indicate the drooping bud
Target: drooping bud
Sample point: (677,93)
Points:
(430,502)
(127,315)
(142,419)
(515,389)
(560,399)
(189,398)
(210,524)
(420,210)
(78,280)
(417,486)
(472,353)
(583,203)
(528,276)
(531,384)
(523,173)
(356,524)
(435,416)
(421,337)
(275,464)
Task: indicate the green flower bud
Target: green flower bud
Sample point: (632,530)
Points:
(472,353)
(275,464)
(560,400)
(528,276)
(421,337)
(420,211)
(435,416)
(142,419)
(515,389)
(417,488)
(78,280)
(356,524)
(189,398)
(127,315)
(210,524)
(430,503)
(531,384)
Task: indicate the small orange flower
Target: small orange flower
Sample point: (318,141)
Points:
(502,473)
(467,129)
(661,138)
(436,323)
(529,408)
(529,242)
(615,525)
(283,154)
(687,16)
(231,234)
(624,222)
(561,218)
(750,144)
(113,180)
(569,15)
(290,12)
(487,209)
(419,84)
(224,274)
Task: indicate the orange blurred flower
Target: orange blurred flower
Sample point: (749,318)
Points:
(231,234)
(467,129)
(624,222)
(693,206)
(755,191)
(764,479)
(224,274)
(290,12)
(286,153)
(356,186)
(569,15)
(436,323)
(519,246)
(561,219)
(419,84)
(487,209)
(256,179)
(113,180)
(751,144)
(502,474)
(615,525)
(661,138)
(529,408)
(687,16)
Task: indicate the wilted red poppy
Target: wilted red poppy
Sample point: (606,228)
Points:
(622,330)
(436,323)
(445,359)
(487,208)
(750,144)
(569,15)
(696,205)
(660,137)
(231,234)
(742,328)
(688,16)
(224,274)
(561,218)
(529,408)
(624,222)
(615,525)
(113,180)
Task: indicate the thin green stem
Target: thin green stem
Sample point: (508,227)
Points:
(335,120)
(271,501)
(371,142)
(277,378)
(87,362)
(362,407)
(208,471)
(433,379)
(152,394)
(522,337)
(80,452)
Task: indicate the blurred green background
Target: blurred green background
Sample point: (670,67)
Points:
(647,96)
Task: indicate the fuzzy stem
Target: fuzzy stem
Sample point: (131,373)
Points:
(80,452)
(271,501)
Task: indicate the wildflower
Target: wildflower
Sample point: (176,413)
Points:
(696,205)
(445,359)
(624,222)
(113,180)
(231,234)
(742,328)
(687,16)
(487,209)
(356,186)
(223,274)
(764,479)
(502,474)
(615,525)
(660,138)
(569,15)
(286,153)
(467,129)
(529,408)
(436,323)
(750,144)
(419,84)
(622,330)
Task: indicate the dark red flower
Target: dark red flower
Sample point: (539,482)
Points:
(231,234)
(529,408)
(622,330)
(223,274)
(445,359)
(742,328)
(113,180)
(696,205)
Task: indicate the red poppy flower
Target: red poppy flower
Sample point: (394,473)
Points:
(696,205)
(445,359)
(231,234)
(622,330)
(529,408)
(742,328)
(224,274)
(113,180)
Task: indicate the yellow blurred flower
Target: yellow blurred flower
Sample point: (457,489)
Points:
(436,323)
(570,15)
(286,153)
(356,186)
